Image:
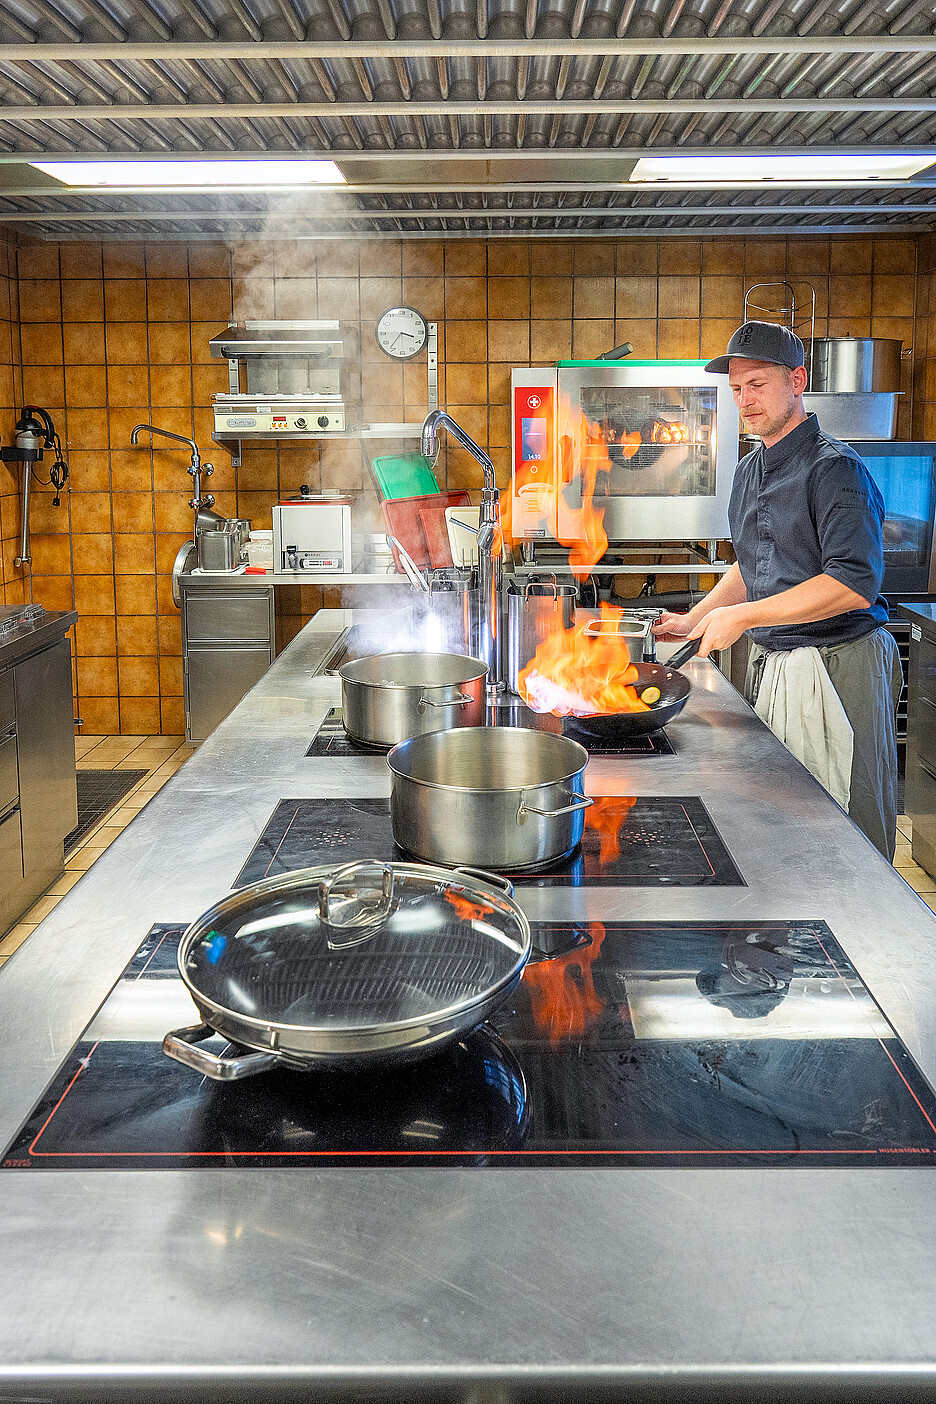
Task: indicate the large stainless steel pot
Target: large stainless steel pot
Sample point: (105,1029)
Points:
(388,697)
(534,611)
(499,797)
(367,963)
(855,365)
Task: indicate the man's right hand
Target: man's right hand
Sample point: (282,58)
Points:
(671,627)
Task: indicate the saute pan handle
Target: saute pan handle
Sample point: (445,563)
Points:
(495,879)
(461,699)
(220,1067)
(685,653)
(582,803)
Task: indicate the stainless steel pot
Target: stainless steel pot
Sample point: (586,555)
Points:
(855,364)
(534,611)
(367,963)
(499,797)
(631,629)
(388,697)
(448,617)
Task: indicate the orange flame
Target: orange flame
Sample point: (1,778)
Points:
(465,907)
(606,818)
(583,671)
(583,455)
(563,1002)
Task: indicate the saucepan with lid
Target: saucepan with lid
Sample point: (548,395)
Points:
(366,963)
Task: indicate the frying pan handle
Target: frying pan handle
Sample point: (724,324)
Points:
(220,1067)
(495,879)
(352,933)
(461,699)
(582,803)
(688,651)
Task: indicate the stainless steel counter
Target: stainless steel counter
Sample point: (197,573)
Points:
(464,1284)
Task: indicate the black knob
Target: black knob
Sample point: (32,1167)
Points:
(322,421)
(300,424)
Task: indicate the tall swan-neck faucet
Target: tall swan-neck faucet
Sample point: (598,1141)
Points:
(489,539)
(199,501)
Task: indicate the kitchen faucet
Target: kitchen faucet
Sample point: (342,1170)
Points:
(198,502)
(489,539)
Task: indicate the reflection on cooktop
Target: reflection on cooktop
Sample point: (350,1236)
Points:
(651,841)
(650,1044)
(332,740)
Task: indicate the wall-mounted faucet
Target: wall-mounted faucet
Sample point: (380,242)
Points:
(489,539)
(199,502)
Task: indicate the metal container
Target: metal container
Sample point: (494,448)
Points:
(221,549)
(359,965)
(534,611)
(633,630)
(855,365)
(448,618)
(388,697)
(855,416)
(501,797)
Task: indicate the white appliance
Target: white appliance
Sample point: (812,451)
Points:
(312,534)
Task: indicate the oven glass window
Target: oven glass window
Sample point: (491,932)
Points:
(906,484)
(660,440)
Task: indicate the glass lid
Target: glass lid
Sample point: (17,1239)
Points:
(360,946)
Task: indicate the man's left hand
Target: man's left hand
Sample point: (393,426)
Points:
(720,628)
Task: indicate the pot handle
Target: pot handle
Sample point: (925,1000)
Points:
(461,699)
(362,928)
(220,1067)
(583,803)
(495,879)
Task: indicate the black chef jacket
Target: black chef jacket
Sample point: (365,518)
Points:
(808,506)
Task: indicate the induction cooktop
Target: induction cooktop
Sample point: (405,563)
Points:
(655,841)
(331,738)
(646,1044)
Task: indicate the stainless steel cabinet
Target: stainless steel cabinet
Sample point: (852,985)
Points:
(38,794)
(920,802)
(228,643)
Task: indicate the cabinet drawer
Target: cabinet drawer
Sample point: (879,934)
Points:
(231,618)
(7,704)
(11,864)
(9,776)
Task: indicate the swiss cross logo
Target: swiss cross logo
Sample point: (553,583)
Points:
(534,402)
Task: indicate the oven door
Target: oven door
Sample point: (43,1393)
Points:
(667,446)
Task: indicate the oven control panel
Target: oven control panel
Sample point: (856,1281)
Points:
(263,420)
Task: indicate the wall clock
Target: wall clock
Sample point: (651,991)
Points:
(401,332)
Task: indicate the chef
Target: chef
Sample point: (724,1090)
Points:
(806,524)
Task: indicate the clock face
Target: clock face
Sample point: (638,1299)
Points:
(401,332)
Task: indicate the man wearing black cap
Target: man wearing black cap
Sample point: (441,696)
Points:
(806,523)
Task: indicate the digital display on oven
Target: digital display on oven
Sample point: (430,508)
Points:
(532,440)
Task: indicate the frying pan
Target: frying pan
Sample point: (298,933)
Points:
(674,689)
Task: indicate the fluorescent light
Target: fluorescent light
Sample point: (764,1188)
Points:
(794,169)
(169,175)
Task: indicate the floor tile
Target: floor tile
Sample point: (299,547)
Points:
(63,884)
(921,882)
(15,938)
(84,858)
(40,909)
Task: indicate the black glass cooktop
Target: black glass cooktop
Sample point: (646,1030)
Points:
(332,740)
(656,841)
(645,1044)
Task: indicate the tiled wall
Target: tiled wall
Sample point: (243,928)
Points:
(115,334)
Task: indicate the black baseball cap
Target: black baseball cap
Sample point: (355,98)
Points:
(762,341)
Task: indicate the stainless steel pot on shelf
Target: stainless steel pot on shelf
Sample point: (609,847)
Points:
(500,797)
(535,609)
(388,697)
(363,964)
(855,365)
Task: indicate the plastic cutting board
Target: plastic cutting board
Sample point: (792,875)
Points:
(408,475)
(401,517)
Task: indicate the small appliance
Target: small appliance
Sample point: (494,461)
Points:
(312,533)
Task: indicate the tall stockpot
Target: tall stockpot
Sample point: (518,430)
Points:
(387,697)
(855,365)
(534,611)
(448,616)
(502,797)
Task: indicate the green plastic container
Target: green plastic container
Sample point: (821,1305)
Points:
(408,475)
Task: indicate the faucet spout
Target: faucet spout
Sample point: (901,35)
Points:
(179,438)
(489,539)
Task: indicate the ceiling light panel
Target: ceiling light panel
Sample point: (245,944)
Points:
(187,175)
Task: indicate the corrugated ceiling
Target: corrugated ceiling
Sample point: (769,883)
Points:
(465,117)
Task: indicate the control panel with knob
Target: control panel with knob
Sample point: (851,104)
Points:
(301,423)
(322,421)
